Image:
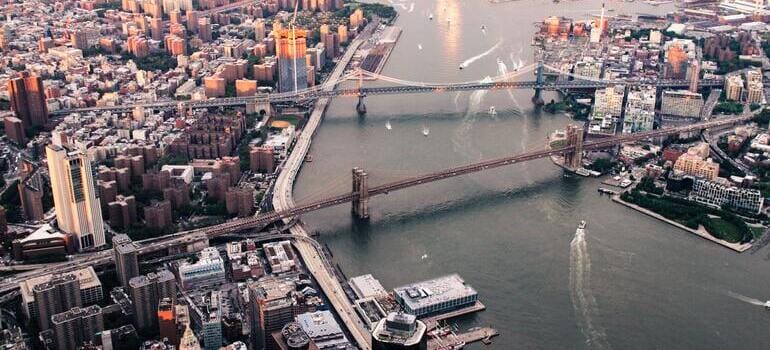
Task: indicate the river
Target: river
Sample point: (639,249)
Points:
(631,282)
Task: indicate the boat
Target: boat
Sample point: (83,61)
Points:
(388,126)
(606,191)
(767,305)
(425,131)
(582,172)
(419,46)
(492,110)
(462,66)
(430,16)
(483,27)
(308,158)
(583,224)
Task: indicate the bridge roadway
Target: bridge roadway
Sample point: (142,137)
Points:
(285,208)
(325,92)
(283,201)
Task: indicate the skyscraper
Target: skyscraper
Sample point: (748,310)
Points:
(399,331)
(77,325)
(292,71)
(78,211)
(126,264)
(28,99)
(57,295)
(146,292)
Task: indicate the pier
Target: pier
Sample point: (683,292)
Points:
(483,334)
(433,321)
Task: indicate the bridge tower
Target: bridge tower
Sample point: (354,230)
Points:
(573,159)
(262,104)
(361,107)
(537,99)
(360,202)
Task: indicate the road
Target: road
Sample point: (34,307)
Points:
(283,199)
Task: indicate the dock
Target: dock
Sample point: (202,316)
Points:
(483,334)
(433,321)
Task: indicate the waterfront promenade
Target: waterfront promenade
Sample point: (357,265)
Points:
(700,232)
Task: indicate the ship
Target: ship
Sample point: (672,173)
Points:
(430,16)
(425,131)
(492,110)
(582,225)
(388,126)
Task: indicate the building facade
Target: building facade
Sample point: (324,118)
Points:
(717,195)
(78,210)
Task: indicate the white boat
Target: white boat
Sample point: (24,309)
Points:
(388,126)
(583,224)
(419,46)
(430,16)
(492,110)
(767,305)
(483,27)
(463,65)
(425,131)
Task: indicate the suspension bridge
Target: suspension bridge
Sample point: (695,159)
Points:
(361,194)
(564,81)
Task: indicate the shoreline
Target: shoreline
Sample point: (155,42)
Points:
(700,232)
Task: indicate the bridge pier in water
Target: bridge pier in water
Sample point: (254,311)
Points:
(360,202)
(537,99)
(361,107)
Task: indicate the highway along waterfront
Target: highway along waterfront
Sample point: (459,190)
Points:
(509,232)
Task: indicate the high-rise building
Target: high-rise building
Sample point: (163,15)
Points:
(292,70)
(77,325)
(694,75)
(167,321)
(259,30)
(90,290)
(146,292)
(609,101)
(28,99)
(272,307)
(399,331)
(14,129)
(678,104)
(734,87)
(31,187)
(126,263)
(640,110)
(78,210)
(207,271)
(54,296)
(754,86)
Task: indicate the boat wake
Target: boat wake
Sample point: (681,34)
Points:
(462,137)
(746,299)
(469,61)
(582,297)
(411,7)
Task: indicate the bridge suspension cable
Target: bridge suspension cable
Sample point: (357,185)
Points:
(403,82)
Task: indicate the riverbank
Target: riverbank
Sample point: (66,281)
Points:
(700,232)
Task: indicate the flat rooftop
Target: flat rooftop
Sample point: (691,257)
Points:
(86,276)
(435,291)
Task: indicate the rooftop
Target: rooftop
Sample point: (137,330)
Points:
(438,290)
